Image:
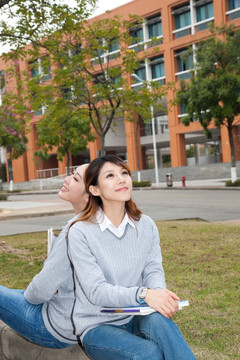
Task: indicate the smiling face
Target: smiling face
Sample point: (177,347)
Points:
(114,184)
(73,189)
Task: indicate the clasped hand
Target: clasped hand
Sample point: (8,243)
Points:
(163,300)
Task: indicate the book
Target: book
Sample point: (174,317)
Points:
(136,310)
(133,310)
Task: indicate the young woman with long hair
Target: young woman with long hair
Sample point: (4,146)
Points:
(42,312)
(117,261)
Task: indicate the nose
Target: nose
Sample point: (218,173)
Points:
(120,178)
(67,178)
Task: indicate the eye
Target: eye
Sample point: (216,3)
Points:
(109,175)
(125,172)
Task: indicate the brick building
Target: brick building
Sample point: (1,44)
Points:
(177,24)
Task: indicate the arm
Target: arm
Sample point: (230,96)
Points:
(158,297)
(89,275)
(55,270)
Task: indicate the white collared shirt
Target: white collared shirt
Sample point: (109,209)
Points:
(105,223)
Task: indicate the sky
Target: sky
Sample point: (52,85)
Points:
(104,5)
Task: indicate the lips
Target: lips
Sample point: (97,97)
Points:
(122,189)
(64,189)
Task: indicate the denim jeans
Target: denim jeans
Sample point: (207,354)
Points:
(26,318)
(152,337)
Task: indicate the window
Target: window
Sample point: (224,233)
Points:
(158,69)
(234,4)
(182,21)
(2,82)
(114,51)
(184,64)
(154,26)
(204,11)
(141,73)
(137,38)
(234,9)
(136,35)
(42,68)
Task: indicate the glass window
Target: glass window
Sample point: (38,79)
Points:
(2,82)
(182,20)
(41,67)
(184,63)
(141,73)
(234,4)
(114,45)
(157,67)
(204,12)
(34,68)
(137,35)
(154,26)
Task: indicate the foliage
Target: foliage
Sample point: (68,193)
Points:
(64,130)
(234,183)
(30,21)
(212,94)
(88,82)
(201,263)
(143,183)
(3,173)
(3,196)
(14,116)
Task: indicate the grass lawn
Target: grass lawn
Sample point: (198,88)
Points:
(202,264)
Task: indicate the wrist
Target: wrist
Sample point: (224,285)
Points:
(141,295)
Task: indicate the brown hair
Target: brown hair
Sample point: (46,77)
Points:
(91,178)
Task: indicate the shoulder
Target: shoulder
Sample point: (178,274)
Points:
(146,220)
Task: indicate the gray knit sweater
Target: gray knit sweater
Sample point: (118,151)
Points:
(109,270)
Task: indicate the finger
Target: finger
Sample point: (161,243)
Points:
(173,295)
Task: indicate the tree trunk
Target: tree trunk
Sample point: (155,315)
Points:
(233,158)
(68,162)
(230,134)
(137,148)
(102,149)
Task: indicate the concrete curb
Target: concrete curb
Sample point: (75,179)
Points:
(15,347)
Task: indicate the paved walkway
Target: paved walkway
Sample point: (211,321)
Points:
(15,208)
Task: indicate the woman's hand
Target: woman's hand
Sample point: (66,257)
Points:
(162,300)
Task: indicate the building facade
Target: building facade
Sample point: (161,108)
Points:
(177,25)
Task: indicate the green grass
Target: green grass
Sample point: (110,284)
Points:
(202,264)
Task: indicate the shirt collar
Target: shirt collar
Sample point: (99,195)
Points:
(105,223)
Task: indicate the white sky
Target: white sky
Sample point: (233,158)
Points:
(104,5)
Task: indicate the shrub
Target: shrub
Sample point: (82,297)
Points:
(235,183)
(3,196)
(142,183)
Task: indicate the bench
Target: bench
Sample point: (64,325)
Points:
(14,347)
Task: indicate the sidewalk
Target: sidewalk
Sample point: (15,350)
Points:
(11,209)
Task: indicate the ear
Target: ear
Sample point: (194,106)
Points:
(94,190)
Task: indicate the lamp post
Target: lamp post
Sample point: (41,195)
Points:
(153,131)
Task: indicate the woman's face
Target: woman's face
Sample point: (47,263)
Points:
(114,184)
(73,189)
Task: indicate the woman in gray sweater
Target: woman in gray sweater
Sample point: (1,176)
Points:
(42,313)
(117,262)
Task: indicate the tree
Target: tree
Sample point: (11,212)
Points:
(85,76)
(14,116)
(64,130)
(31,21)
(212,95)
(40,23)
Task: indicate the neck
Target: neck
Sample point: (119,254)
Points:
(115,212)
(77,209)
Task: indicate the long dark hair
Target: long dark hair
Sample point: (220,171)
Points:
(91,178)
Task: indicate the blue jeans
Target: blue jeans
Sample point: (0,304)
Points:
(26,318)
(152,337)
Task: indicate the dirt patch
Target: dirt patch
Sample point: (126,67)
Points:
(6,248)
